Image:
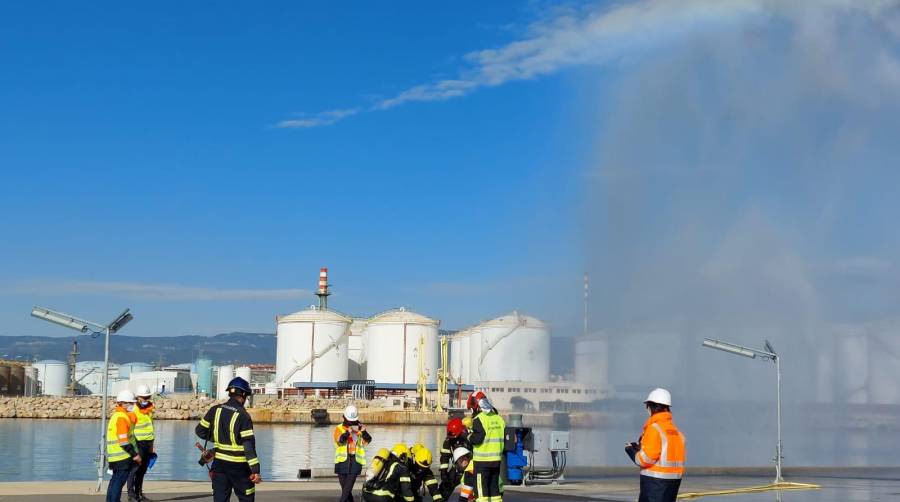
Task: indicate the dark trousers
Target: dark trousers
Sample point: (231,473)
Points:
(120,470)
(347,481)
(658,490)
(228,478)
(136,475)
(487,484)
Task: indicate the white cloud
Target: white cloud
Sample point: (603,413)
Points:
(159,292)
(317,120)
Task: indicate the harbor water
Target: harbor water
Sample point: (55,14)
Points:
(40,449)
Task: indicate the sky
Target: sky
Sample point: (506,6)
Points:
(198,163)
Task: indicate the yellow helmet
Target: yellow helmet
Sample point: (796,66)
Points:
(422,456)
(400,451)
(379,460)
(467,422)
(414,448)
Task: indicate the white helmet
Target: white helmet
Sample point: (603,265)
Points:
(143,391)
(125,396)
(659,396)
(351,413)
(460,453)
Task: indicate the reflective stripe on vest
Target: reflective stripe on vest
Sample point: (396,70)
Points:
(670,464)
(230,451)
(114,452)
(340,451)
(143,429)
(491,449)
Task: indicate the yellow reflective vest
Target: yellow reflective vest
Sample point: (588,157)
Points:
(114,450)
(143,429)
(491,449)
(341,450)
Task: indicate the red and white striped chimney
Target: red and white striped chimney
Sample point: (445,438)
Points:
(323,281)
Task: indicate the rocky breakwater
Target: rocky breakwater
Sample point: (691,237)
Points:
(181,408)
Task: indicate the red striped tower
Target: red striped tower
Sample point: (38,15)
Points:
(322,292)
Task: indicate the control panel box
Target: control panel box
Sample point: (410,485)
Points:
(559,441)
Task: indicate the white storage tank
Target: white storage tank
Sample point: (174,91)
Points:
(31,381)
(355,353)
(53,377)
(225,375)
(243,372)
(127,369)
(513,347)
(460,357)
(89,376)
(311,347)
(392,347)
(591,360)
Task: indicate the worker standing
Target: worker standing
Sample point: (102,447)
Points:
(456,438)
(660,453)
(144,435)
(420,475)
(236,465)
(121,447)
(486,438)
(392,483)
(350,441)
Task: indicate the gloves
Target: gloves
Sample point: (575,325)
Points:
(631,450)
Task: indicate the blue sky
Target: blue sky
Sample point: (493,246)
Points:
(199,162)
(143,166)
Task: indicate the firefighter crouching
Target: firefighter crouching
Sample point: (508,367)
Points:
(420,475)
(456,438)
(389,479)
(235,465)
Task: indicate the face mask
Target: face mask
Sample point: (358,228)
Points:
(144,404)
(130,407)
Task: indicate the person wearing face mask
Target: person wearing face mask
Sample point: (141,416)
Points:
(486,438)
(121,447)
(660,451)
(350,441)
(144,434)
(235,465)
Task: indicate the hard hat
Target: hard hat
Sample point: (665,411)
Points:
(125,396)
(467,421)
(400,451)
(351,413)
(422,456)
(143,391)
(238,383)
(460,453)
(659,396)
(414,448)
(474,397)
(455,427)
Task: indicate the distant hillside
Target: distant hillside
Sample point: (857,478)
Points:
(225,348)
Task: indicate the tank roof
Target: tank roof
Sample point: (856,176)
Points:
(314,314)
(401,315)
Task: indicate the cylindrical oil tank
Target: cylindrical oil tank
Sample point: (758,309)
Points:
(226,373)
(204,376)
(89,375)
(127,369)
(460,357)
(355,349)
(884,363)
(311,347)
(243,372)
(591,360)
(5,370)
(53,377)
(17,380)
(31,381)
(392,344)
(513,347)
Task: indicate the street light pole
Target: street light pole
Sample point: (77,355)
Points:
(767,354)
(95,329)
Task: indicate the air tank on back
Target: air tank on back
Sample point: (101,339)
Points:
(311,347)
(53,377)
(512,347)
(392,347)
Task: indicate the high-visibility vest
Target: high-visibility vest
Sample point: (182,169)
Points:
(340,450)
(143,429)
(491,449)
(662,453)
(114,452)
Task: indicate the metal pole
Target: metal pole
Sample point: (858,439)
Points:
(778,447)
(101,467)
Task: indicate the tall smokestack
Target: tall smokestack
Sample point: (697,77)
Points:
(322,292)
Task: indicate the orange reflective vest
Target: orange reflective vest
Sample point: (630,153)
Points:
(662,452)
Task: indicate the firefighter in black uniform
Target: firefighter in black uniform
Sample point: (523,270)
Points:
(392,481)
(420,475)
(236,466)
(456,438)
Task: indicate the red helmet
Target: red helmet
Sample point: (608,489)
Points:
(474,397)
(455,427)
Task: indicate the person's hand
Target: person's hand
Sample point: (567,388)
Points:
(362,427)
(255,479)
(136,458)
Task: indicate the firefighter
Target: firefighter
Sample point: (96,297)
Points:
(145,435)
(236,465)
(121,447)
(456,438)
(392,483)
(486,438)
(660,452)
(350,441)
(421,477)
(463,465)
